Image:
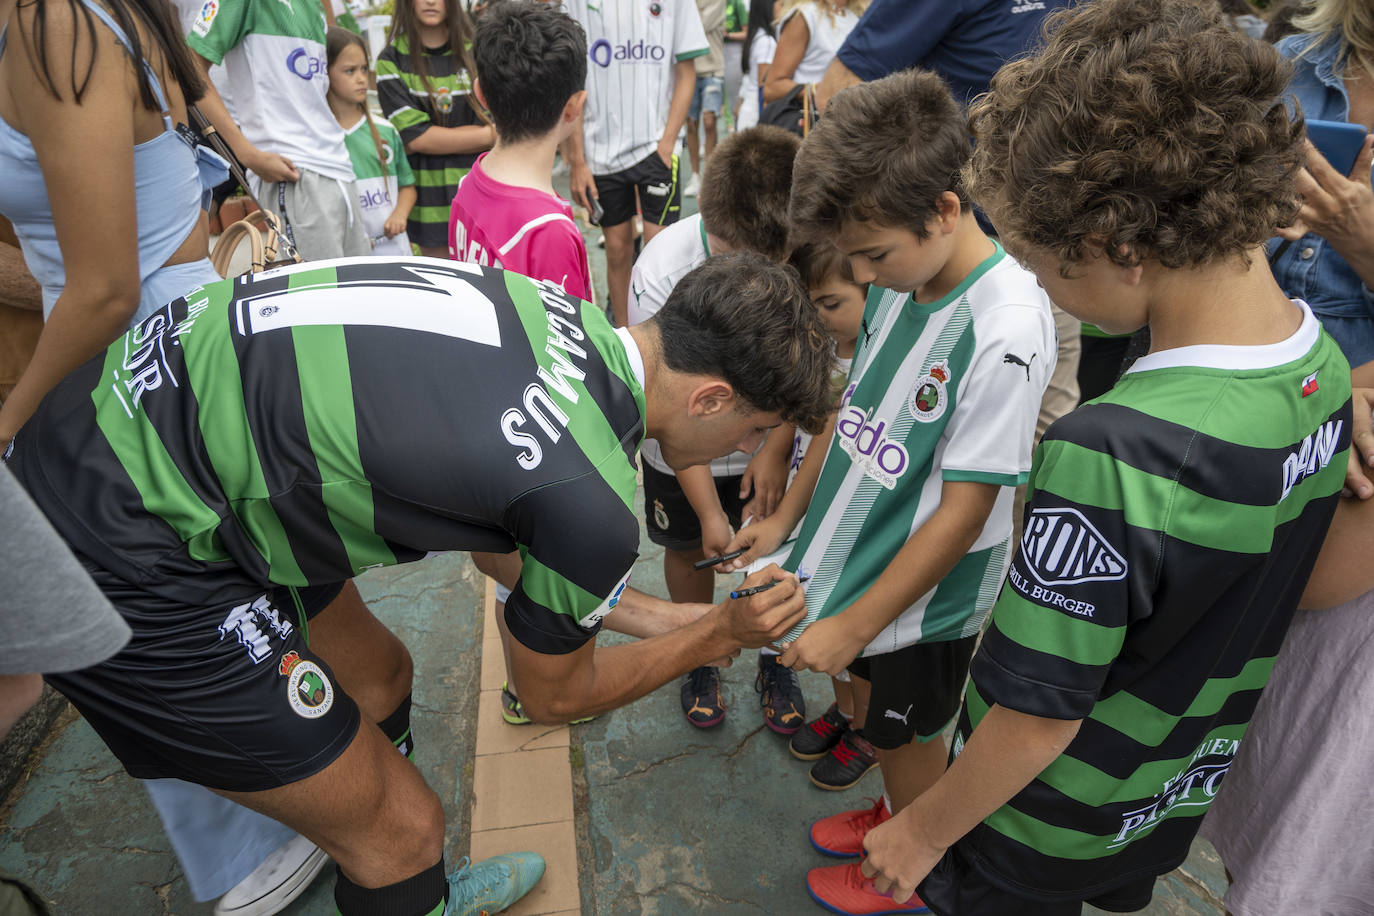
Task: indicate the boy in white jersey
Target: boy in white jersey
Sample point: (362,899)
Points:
(274,54)
(691,513)
(906,538)
(640,79)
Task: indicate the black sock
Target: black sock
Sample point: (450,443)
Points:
(397,727)
(425,894)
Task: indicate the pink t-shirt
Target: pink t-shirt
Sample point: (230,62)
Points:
(520,229)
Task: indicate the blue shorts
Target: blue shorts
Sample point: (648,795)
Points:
(709,96)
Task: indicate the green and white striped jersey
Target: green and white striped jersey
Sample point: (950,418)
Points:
(941,391)
(379,181)
(274,57)
(1171,526)
(309,423)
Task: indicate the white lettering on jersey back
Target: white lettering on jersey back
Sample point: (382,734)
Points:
(1061,547)
(1315,453)
(439,301)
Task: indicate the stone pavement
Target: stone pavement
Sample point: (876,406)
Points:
(666,818)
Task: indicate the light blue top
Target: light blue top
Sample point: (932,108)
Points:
(170,175)
(1310,269)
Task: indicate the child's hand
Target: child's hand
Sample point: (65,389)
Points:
(271,166)
(766,478)
(715,535)
(898,858)
(395,224)
(827,646)
(1361,445)
(756,540)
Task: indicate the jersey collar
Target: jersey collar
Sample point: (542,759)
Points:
(1237,358)
(632,353)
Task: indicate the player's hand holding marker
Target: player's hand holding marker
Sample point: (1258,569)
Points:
(761,617)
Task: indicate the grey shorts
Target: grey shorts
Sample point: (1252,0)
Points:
(322,215)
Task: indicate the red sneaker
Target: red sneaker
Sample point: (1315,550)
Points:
(842,835)
(844,889)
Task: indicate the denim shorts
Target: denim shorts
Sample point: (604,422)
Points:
(709,96)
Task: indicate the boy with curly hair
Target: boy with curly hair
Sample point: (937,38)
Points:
(1137,165)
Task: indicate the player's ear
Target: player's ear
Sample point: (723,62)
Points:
(477,91)
(710,398)
(572,109)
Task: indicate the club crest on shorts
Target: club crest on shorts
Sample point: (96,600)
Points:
(660,516)
(308,688)
(929,396)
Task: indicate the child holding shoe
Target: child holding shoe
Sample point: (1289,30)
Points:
(906,538)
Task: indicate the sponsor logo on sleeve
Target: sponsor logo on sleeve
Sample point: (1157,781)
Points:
(1060,547)
(596,616)
(208,11)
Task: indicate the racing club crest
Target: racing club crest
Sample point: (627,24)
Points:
(929,396)
(655,9)
(308,689)
(443,99)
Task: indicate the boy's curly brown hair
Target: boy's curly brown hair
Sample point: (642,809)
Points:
(1145,129)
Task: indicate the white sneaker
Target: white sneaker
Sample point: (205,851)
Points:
(282,877)
(693,186)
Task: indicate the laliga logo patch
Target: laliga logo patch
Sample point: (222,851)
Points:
(1061,547)
(607,606)
(308,688)
(207,15)
(930,397)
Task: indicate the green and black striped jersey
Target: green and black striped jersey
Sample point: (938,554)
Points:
(306,424)
(1169,531)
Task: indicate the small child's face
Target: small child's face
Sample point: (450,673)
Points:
(892,256)
(348,75)
(841,307)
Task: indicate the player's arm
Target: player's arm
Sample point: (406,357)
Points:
(582,183)
(595,679)
(700,489)
(451,141)
(830,644)
(765,477)
(1006,751)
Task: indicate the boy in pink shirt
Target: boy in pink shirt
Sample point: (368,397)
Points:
(531,62)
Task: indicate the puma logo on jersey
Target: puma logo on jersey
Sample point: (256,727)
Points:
(1012,358)
(1315,453)
(899,716)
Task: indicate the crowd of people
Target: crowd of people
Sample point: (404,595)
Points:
(1018,357)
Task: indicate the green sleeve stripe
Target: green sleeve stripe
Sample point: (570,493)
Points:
(1001,480)
(587,424)
(554,591)
(1150,725)
(164,489)
(688,55)
(430,214)
(332,424)
(406,118)
(1152,502)
(440,178)
(212,365)
(1055,632)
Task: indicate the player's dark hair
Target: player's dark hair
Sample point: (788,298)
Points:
(748,320)
(1145,129)
(531,58)
(884,153)
(818,262)
(745,187)
(155,17)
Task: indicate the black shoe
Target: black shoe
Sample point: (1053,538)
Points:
(702,703)
(784,707)
(846,763)
(818,736)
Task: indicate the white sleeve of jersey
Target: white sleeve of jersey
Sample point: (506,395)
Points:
(689,37)
(991,435)
(648,291)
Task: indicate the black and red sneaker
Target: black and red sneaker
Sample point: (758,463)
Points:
(846,763)
(818,736)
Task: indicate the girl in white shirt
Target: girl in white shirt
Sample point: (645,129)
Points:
(756,56)
(812,32)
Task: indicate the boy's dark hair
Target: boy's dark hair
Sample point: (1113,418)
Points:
(531,58)
(745,187)
(818,261)
(748,320)
(884,153)
(1146,129)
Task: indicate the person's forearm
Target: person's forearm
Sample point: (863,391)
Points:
(405,201)
(451,141)
(641,614)
(571,147)
(212,106)
(76,331)
(684,84)
(926,558)
(700,489)
(1006,751)
(837,77)
(803,486)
